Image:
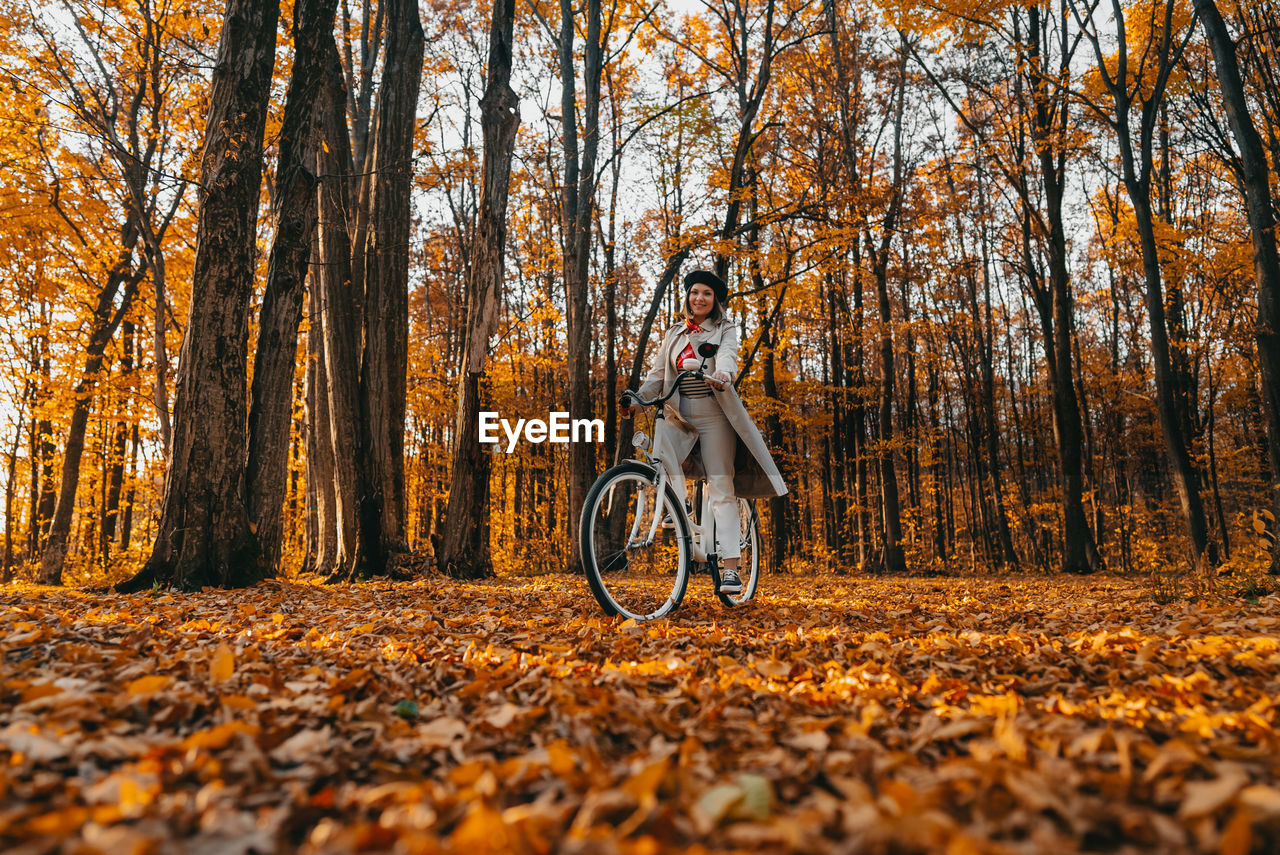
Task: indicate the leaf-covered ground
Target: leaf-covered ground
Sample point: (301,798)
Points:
(840,714)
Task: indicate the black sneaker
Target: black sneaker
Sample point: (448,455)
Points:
(729,582)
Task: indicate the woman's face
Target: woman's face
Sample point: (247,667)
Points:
(701,301)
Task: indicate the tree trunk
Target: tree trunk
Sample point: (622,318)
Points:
(1049,119)
(204,535)
(6,570)
(276,355)
(119,449)
(986,350)
(126,525)
(1137,168)
(43,493)
(340,306)
(646,330)
(749,101)
(464,550)
(891,509)
(780,531)
(890,504)
(1261,215)
(611,288)
(384,362)
(160,354)
(577,201)
(106,319)
(321,481)
(1172,417)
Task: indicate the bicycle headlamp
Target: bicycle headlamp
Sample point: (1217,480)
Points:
(640,439)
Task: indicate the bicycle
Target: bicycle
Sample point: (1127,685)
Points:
(638,542)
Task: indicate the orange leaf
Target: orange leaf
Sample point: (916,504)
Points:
(644,784)
(223,664)
(1237,837)
(147,685)
(482,831)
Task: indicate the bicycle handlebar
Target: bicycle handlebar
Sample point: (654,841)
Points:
(631,396)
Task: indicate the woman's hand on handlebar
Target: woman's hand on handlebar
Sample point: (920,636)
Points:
(719,379)
(627,405)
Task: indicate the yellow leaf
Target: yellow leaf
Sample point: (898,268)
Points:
(147,685)
(223,664)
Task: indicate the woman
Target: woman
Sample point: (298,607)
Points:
(710,414)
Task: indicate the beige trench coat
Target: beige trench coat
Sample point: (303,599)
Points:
(755,476)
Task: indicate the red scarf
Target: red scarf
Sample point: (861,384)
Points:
(688,352)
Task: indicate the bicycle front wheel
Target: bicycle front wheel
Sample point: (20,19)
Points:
(635,569)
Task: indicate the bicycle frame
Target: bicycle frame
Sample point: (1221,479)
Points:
(656,458)
(698,531)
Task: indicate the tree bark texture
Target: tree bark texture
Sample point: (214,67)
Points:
(464,551)
(384,364)
(276,356)
(204,536)
(1262,228)
(322,509)
(340,302)
(577,202)
(890,503)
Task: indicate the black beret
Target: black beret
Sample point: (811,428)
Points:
(712,281)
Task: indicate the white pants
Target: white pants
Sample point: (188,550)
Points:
(719,441)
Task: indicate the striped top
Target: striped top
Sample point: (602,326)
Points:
(691,387)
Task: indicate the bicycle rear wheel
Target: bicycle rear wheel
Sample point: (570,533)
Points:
(631,575)
(749,563)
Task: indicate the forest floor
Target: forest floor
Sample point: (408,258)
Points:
(838,713)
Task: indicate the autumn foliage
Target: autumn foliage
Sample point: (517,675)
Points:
(871,177)
(836,714)
(1008,295)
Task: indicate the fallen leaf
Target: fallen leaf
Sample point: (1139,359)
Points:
(222,665)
